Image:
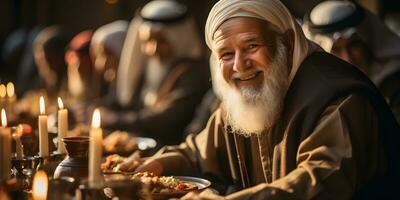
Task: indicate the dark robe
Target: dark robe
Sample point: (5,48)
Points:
(336,139)
(179,93)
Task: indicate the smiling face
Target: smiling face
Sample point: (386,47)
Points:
(252,76)
(245,48)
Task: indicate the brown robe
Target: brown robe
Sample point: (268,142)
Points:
(341,153)
(326,168)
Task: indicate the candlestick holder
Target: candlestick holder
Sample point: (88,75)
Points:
(23,170)
(76,163)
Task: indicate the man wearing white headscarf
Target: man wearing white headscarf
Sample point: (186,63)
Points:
(105,49)
(294,123)
(161,76)
(357,36)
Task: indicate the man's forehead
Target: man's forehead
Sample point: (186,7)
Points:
(246,27)
(240,23)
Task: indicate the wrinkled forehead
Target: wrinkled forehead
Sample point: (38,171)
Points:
(244,25)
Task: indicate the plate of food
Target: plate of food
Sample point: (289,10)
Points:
(124,143)
(116,164)
(165,187)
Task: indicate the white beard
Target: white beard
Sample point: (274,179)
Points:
(251,111)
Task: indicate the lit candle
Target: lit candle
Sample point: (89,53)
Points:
(3,94)
(11,97)
(5,148)
(43,134)
(3,91)
(18,144)
(10,90)
(62,126)
(95,150)
(40,186)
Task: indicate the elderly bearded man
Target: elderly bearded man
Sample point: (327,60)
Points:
(295,122)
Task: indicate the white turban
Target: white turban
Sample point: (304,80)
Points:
(272,11)
(111,36)
(181,35)
(339,16)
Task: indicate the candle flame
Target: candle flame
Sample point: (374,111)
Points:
(3,118)
(10,89)
(3,91)
(42,105)
(60,103)
(96,118)
(40,186)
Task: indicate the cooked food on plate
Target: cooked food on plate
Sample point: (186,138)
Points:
(117,163)
(120,141)
(164,184)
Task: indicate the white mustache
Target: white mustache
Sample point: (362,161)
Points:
(237,75)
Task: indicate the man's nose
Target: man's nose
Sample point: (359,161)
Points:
(241,63)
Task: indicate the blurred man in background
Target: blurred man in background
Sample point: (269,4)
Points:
(83,80)
(83,85)
(49,51)
(105,50)
(162,75)
(357,36)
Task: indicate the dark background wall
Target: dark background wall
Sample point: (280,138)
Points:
(78,15)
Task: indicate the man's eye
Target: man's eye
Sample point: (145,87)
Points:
(253,46)
(226,56)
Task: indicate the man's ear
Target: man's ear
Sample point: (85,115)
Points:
(288,36)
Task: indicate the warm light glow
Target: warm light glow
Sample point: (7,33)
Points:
(60,103)
(3,91)
(112,1)
(40,185)
(19,132)
(42,106)
(10,89)
(3,118)
(96,118)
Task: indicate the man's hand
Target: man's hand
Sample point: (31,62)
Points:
(205,195)
(151,165)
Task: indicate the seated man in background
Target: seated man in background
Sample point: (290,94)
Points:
(294,123)
(161,76)
(83,81)
(359,37)
(17,60)
(49,50)
(105,50)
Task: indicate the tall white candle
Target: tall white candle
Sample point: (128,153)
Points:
(62,126)
(18,144)
(95,150)
(5,148)
(43,133)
